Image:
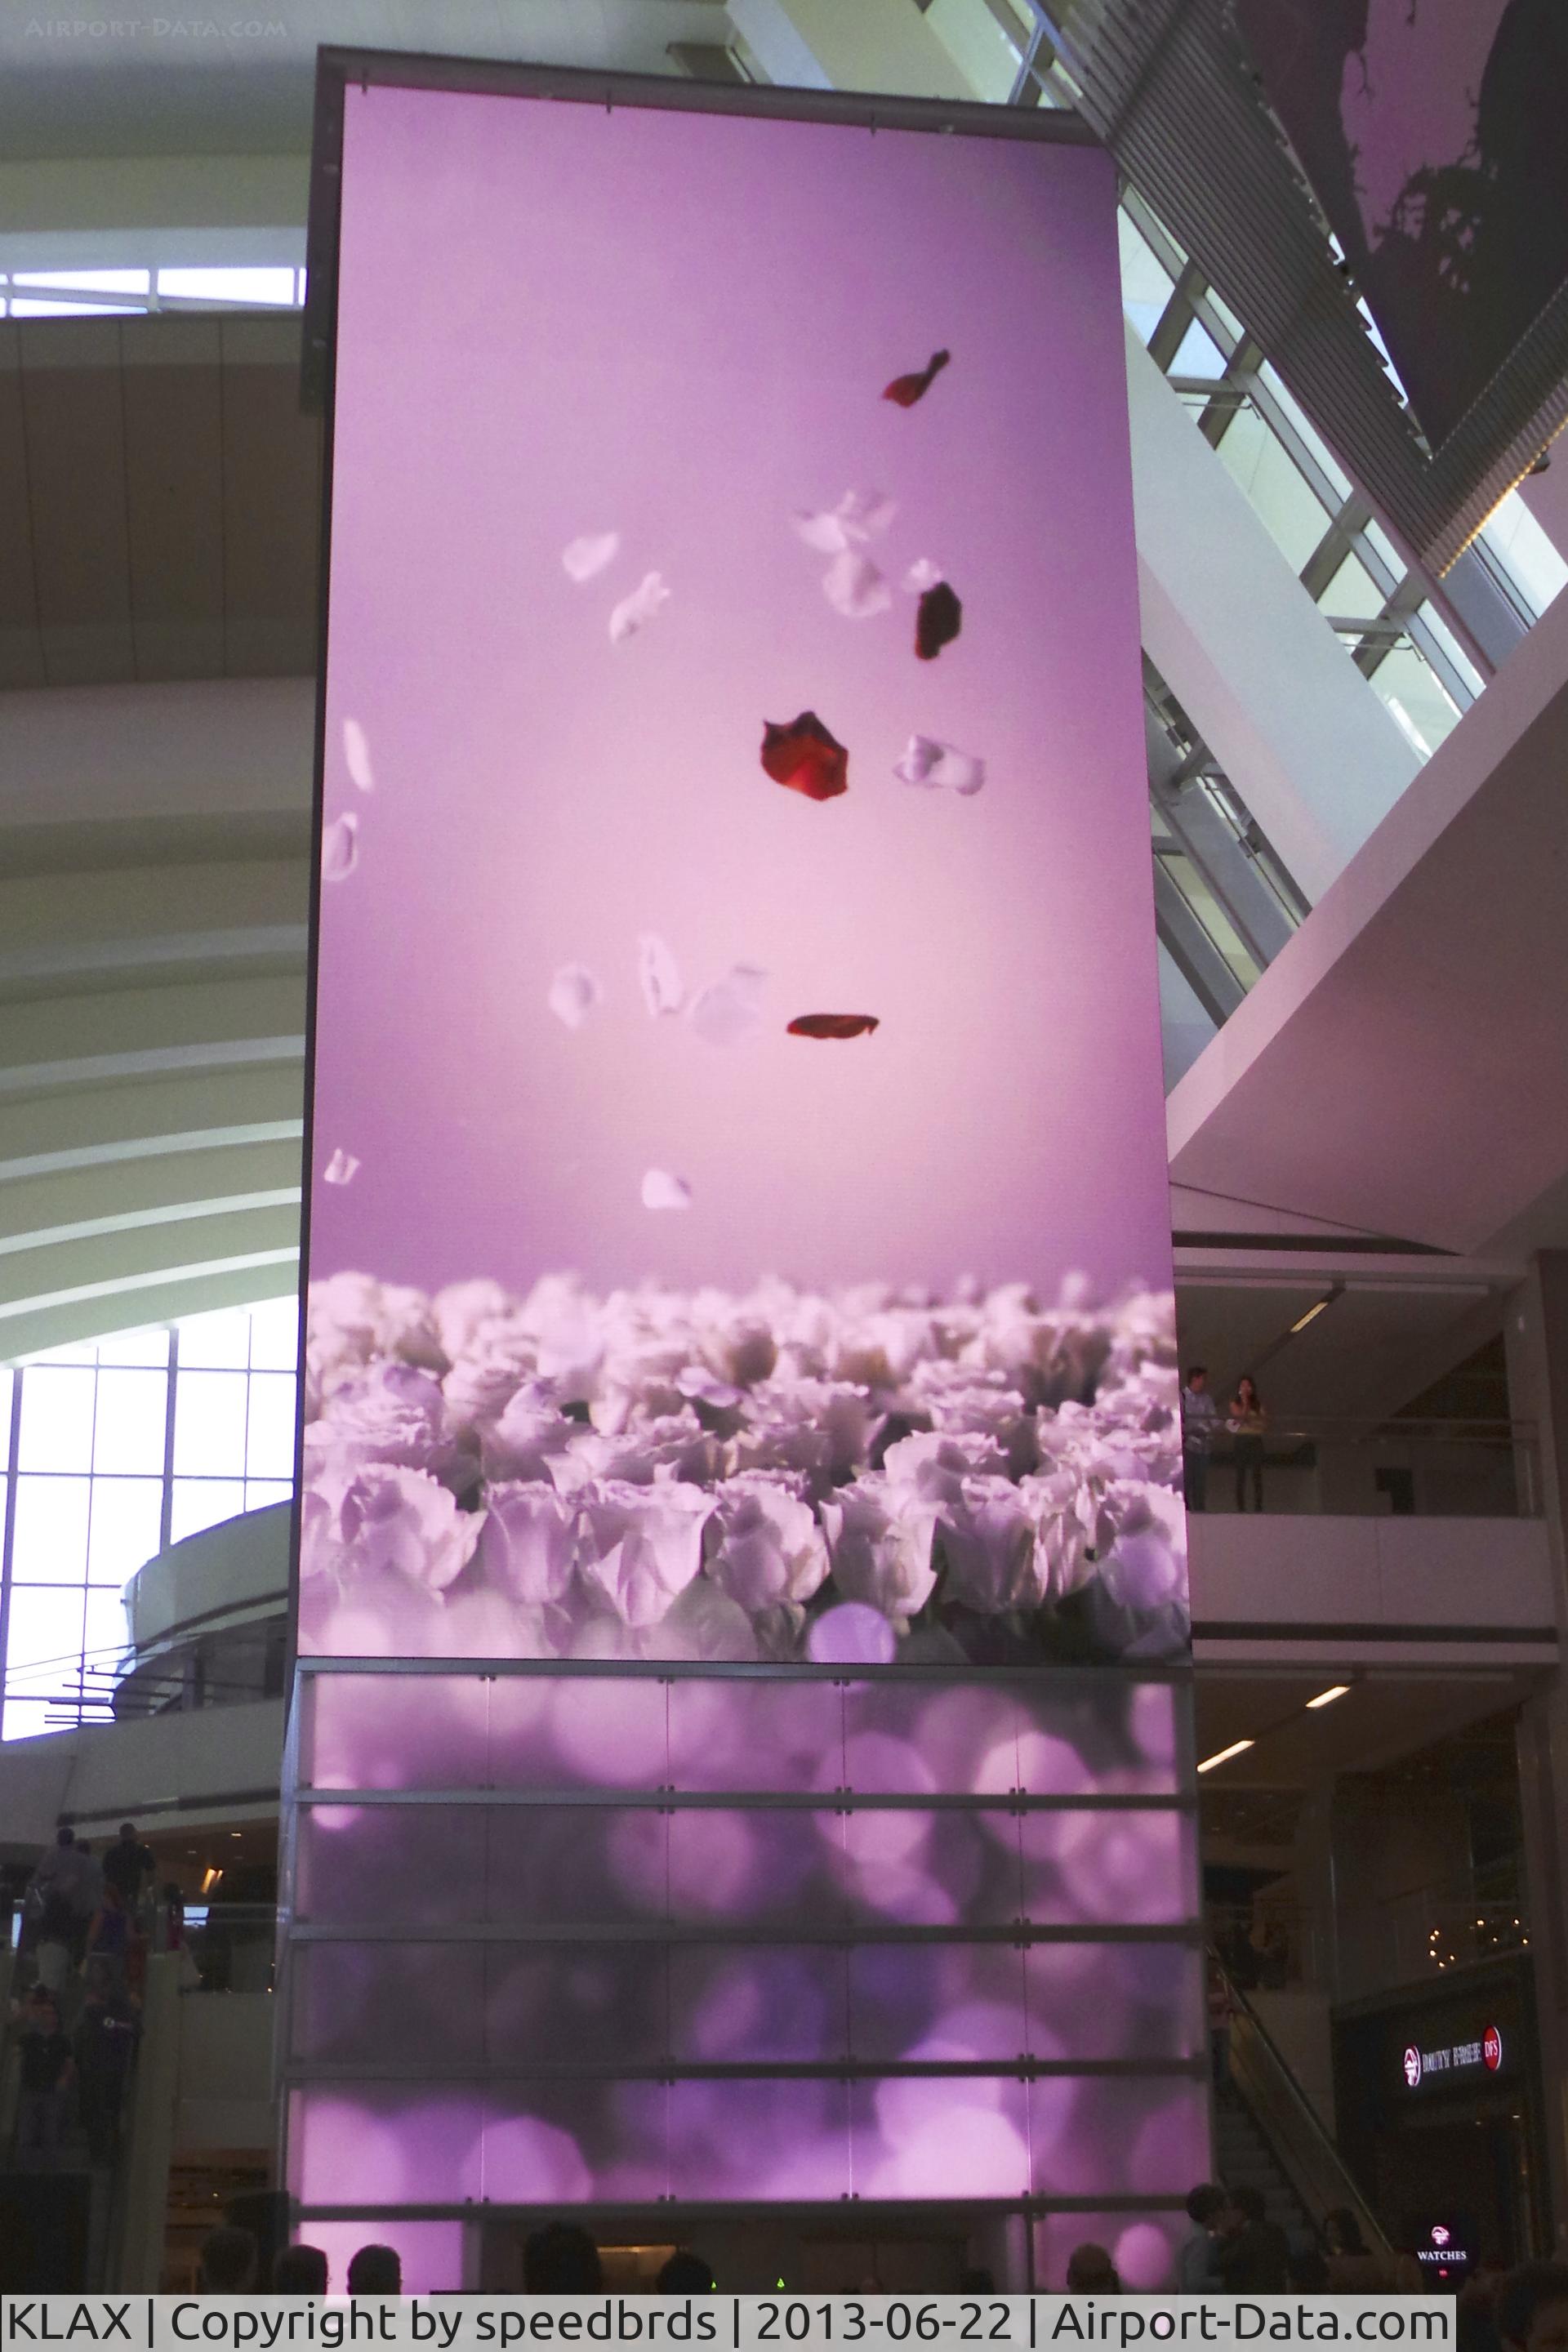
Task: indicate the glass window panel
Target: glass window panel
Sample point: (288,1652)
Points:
(7,1378)
(275,1335)
(199,1503)
(215,1341)
(130,1433)
(1198,354)
(978,46)
(126,1525)
(57,1418)
(30,309)
(1385,548)
(104,1636)
(270,1430)
(1307,431)
(1526,554)
(262,286)
(45,1632)
(261,1493)
(1146,285)
(50,1541)
(1287,508)
(1423,712)
(1432,620)
(151,1347)
(1352,591)
(209,1424)
(85,281)
(27,1718)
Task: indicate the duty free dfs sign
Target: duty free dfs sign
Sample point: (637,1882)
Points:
(1425,2068)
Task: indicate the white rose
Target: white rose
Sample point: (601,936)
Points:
(988,1543)
(641,1545)
(880,1539)
(763,1544)
(528,1546)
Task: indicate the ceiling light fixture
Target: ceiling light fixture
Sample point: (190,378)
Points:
(1236,1747)
(1327,1698)
(1311,1314)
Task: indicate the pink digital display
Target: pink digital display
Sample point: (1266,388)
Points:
(889,1965)
(738,1216)
(741,1754)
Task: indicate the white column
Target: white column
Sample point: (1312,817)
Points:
(1297,727)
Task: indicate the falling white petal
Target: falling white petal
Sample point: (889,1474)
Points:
(356,756)
(585,557)
(854,586)
(940,767)
(660,1190)
(921,576)
(341,1169)
(634,612)
(727,1010)
(339,847)
(659,975)
(574,993)
(859,515)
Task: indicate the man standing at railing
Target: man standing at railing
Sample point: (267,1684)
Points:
(127,1864)
(1200,1419)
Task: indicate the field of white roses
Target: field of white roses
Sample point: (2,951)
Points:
(857,1478)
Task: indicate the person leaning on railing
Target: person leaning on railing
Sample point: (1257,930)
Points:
(1247,1421)
(1200,1419)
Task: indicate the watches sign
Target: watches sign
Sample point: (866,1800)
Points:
(1484,2054)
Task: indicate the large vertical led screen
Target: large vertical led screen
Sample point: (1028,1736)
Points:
(738,1223)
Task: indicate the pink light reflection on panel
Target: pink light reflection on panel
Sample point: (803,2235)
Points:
(757,1866)
(542,2138)
(1143,2248)
(1129,1870)
(758,2008)
(761,1736)
(761,2141)
(419,1865)
(1112,2000)
(431,2251)
(909,2002)
(962,2137)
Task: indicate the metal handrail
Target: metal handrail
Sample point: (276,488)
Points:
(1290,2123)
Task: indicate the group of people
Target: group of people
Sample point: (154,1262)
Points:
(1233,2248)
(561,2258)
(76,2027)
(1247,1421)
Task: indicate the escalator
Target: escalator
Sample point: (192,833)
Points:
(1268,2132)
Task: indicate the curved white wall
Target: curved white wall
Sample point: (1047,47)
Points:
(155,844)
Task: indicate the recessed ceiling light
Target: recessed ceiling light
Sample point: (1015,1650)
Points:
(1327,1698)
(1236,1747)
(1311,1314)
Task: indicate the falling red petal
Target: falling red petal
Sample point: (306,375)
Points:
(833,1024)
(806,758)
(907,389)
(938,620)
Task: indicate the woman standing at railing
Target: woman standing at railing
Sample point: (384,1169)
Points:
(1247,1421)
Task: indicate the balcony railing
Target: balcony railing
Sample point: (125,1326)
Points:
(1380,1468)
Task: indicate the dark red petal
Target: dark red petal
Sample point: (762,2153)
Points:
(938,620)
(907,389)
(806,758)
(833,1024)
